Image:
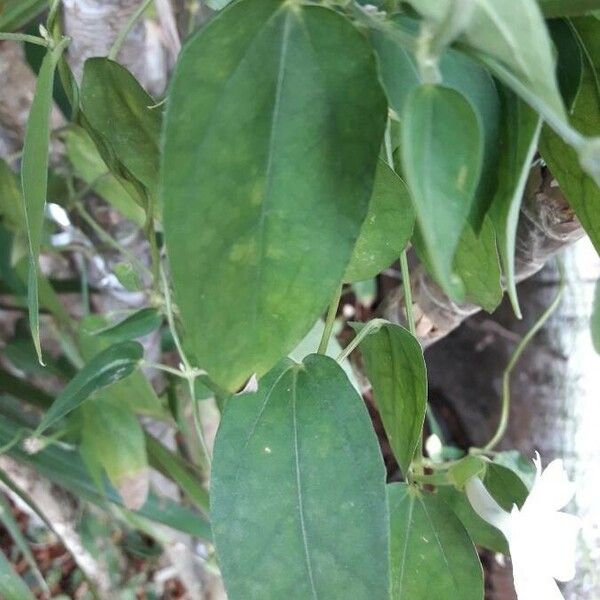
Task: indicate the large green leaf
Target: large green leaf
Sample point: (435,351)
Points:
(34,179)
(432,556)
(91,168)
(104,369)
(512,32)
(395,367)
(580,189)
(274,123)
(442,150)
(120,113)
(400,75)
(387,228)
(298,500)
(520,134)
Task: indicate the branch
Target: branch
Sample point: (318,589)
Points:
(547,224)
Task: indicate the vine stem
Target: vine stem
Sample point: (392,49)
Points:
(121,37)
(504,416)
(371,326)
(23,37)
(330,321)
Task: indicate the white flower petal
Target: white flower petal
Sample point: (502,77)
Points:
(486,507)
(552,489)
(560,544)
(531,585)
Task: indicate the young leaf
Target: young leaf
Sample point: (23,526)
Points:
(395,367)
(12,587)
(106,420)
(298,500)
(140,323)
(91,168)
(522,44)
(519,138)
(442,150)
(387,227)
(274,123)
(120,113)
(106,368)
(580,189)
(34,179)
(432,556)
(400,75)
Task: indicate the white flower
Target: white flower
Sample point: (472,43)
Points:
(541,539)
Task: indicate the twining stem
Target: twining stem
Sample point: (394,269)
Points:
(122,36)
(504,416)
(330,321)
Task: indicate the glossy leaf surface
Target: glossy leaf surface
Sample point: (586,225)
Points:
(289,516)
(395,367)
(442,150)
(432,556)
(274,122)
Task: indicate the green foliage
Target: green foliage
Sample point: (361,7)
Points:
(303,456)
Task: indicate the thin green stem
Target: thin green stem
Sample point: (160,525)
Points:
(504,416)
(371,326)
(23,37)
(408,300)
(122,36)
(165,369)
(330,321)
(198,421)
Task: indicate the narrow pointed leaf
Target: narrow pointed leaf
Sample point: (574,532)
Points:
(396,369)
(139,324)
(432,556)
(581,190)
(34,179)
(297,495)
(442,150)
(387,228)
(274,123)
(520,134)
(106,368)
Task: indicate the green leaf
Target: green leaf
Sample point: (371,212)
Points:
(12,587)
(91,168)
(567,8)
(476,263)
(521,44)
(119,112)
(106,368)
(14,14)
(400,75)
(432,556)
(387,228)
(217,4)
(442,150)
(298,500)
(595,321)
(580,189)
(139,324)
(34,179)
(274,123)
(396,369)
(106,420)
(11,199)
(519,139)
(570,59)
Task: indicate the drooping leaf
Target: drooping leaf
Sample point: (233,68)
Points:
(521,44)
(442,150)
(120,113)
(520,134)
(595,321)
(395,367)
(14,14)
(580,189)
(12,587)
(274,122)
(387,228)
(477,264)
(139,324)
(297,495)
(34,179)
(105,422)
(104,369)
(432,556)
(90,167)
(400,75)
